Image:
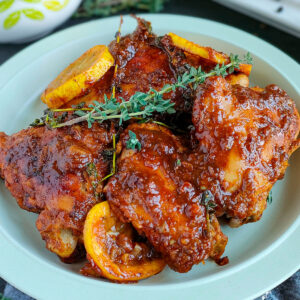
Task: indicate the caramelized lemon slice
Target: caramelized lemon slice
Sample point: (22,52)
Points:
(78,76)
(205,52)
(110,246)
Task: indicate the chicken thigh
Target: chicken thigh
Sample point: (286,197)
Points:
(245,138)
(154,189)
(142,64)
(56,173)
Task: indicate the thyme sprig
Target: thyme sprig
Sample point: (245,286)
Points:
(93,173)
(139,105)
(145,105)
(207,200)
(113,171)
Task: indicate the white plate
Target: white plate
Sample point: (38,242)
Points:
(261,254)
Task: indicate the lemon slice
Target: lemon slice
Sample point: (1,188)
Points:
(78,76)
(205,52)
(109,244)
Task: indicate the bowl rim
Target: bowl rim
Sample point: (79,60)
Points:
(287,67)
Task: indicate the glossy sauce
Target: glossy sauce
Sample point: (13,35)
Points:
(156,191)
(245,138)
(46,171)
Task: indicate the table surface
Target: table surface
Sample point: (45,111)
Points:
(290,289)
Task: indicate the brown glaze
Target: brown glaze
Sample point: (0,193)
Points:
(143,63)
(90,269)
(239,147)
(122,244)
(46,171)
(146,61)
(155,190)
(245,138)
(115,249)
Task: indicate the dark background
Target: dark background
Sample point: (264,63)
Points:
(290,289)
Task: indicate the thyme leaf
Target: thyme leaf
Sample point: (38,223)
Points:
(36,123)
(133,142)
(91,170)
(207,200)
(93,173)
(113,171)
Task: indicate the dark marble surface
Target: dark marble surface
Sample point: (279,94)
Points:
(290,289)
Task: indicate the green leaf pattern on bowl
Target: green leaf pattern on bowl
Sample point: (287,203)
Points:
(12,19)
(32,1)
(33,14)
(5,4)
(55,5)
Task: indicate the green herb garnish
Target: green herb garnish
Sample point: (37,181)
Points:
(144,105)
(92,170)
(140,104)
(93,173)
(50,119)
(36,123)
(133,142)
(207,200)
(178,162)
(113,171)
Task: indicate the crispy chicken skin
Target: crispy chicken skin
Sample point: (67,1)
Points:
(147,61)
(154,189)
(53,173)
(142,64)
(245,137)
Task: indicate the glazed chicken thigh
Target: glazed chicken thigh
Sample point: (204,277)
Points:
(55,172)
(146,61)
(154,189)
(142,64)
(245,138)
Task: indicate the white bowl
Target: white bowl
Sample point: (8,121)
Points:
(27,20)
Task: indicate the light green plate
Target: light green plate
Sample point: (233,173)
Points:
(261,255)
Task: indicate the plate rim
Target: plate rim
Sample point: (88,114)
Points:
(11,66)
(178,292)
